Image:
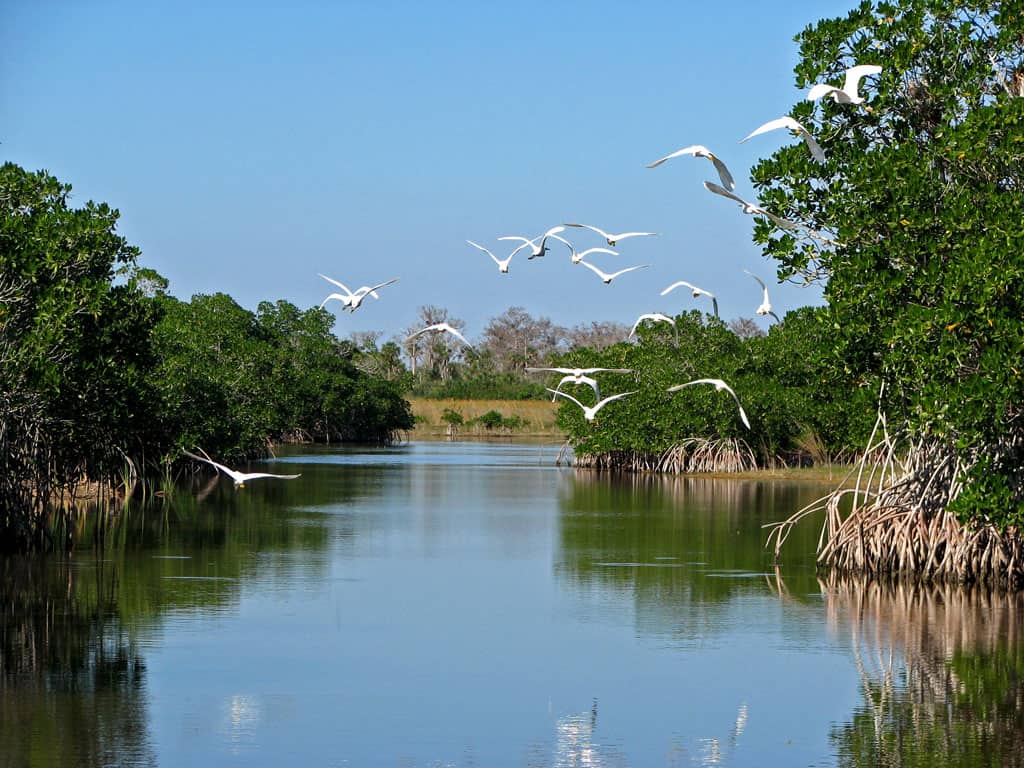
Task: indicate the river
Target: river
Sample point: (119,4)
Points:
(473,604)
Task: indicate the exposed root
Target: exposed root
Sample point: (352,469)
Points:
(694,455)
(895,519)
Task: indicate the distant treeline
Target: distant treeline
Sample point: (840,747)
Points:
(105,377)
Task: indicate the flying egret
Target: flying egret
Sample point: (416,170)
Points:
(537,250)
(502,263)
(699,150)
(796,128)
(352,299)
(439,327)
(611,237)
(592,383)
(656,317)
(578,374)
(607,278)
(751,208)
(766,305)
(240,478)
(848,93)
(345,298)
(364,291)
(697,292)
(719,386)
(577,257)
(590,412)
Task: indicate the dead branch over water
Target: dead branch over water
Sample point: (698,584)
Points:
(895,518)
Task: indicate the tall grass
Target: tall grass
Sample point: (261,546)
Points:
(538,417)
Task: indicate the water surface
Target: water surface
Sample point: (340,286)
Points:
(472,604)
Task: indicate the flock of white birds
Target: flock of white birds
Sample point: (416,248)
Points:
(539,247)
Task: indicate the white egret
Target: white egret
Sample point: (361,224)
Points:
(699,150)
(751,208)
(538,245)
(766,305)
(656,317)
(592,383)
(345,298)
(719,386)
(848,93)
(577,257)
(607,278)
(697,292)
(240,478)
(796,128)
(502,263)
(352,299)
(364,291)
(613,238)
(589,412)
(440,327)
(578,374)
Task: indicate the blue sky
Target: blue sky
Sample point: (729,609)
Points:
(251,145)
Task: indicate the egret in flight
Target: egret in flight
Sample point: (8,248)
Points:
(655,317)
(578,374)
(848,93)
(592,383)
(240,478)
(751,208)
(438,328)
(353,299)
(766,305)
(796,128)
(539,245)
(502,263)
(613,238)
(589,412)
(607,278)
(719,386)
(699,150)
(577,257)
(697,292)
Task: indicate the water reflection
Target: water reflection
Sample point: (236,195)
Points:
(424,607)
(942,672)
(683,547)
(72,681)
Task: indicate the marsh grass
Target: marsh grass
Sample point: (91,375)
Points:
(537,417)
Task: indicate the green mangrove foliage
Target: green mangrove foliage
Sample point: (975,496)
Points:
(103,376)
(75,358)
(232,381)
(913,224)
(794,398)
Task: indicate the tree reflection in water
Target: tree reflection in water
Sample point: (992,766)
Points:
(942,670)
(72,684)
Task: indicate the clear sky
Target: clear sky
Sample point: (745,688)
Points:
(251,145)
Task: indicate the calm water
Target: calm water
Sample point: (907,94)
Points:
(470,604)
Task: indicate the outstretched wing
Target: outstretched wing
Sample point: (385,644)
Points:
(255,475)
(340,285)
(485,251)
(691,150)
(628,269)
(855,74)
(612,398)
(601,232)
(207,460)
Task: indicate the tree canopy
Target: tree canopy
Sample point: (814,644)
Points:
(913,222)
